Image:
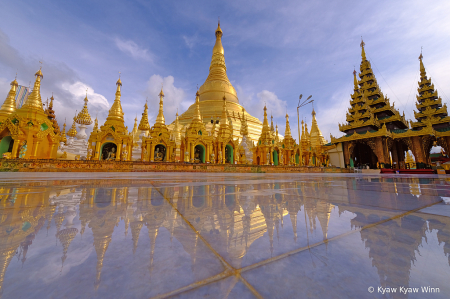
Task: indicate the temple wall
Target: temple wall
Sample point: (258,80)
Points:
(21,165)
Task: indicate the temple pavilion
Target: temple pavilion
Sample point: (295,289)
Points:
(378,136)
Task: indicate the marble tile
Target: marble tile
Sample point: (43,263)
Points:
(230,287)
(410,252)
(133,235)
(100,242)
(442,209)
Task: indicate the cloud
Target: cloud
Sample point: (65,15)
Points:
(131,48)
(190,41)
(59,79)
(173,98)
(255,107)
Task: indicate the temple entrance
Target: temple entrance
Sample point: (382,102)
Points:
(199,154)
(160,153)
(228,154)
(102,197)
(109,151)
(363,156)
(275,158)
(258,160)
(6,145)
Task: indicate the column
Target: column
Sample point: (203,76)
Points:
(223,154)
(35,148)
(191,154)
(394,156)
(152,152)
(119,152)
(15,149)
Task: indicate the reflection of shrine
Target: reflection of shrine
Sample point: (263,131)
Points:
(229,215)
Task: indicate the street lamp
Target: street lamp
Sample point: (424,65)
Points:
(304,103)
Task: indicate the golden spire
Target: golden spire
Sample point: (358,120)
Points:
(224,117)
(136,227)
(34,101)
(355,80)
(265,122)
(363,53)
(73,130)
(83,117)
(197,116)
(9,106)
(95,130)
(135,127)
(63,134)
(423,73)
(116,112)
(287,132)
(271,123)
(51,115)
(160,118)
(143,124)
(217,81)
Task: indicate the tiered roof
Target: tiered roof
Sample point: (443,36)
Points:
(370,109)
(429,104)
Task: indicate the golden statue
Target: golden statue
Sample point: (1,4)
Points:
(112,154)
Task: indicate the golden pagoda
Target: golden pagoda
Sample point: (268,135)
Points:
(144,126)
(212,91)
(224,141)
(429,104)
(158,146)
(51,115)
(263,152)
(197,142)
(288,145)
(112,142)
(27,132)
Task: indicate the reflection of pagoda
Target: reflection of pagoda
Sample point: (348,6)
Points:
(22,215)
(103,208)
(66,200)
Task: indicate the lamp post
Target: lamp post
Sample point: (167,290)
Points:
(304,103)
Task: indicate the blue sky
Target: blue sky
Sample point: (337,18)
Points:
(273,50)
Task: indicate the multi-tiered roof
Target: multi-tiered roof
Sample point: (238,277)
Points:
(370,109)
(429,104)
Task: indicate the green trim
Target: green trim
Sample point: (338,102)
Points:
(230,153)
(275,158)
(203,152)
(4,145)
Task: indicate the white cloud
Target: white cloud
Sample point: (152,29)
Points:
(131,48)
(173,98)
(190,41)
(255,107)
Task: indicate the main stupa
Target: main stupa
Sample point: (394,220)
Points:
(216,86)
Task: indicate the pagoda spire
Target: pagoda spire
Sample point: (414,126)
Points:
(224,117)
(83,118)
(63,134)
(95,129)
(363,53)
(287,132)
(265,121)
(429,103)
(355,81)
(116,112)
(218,69)
(271,123)
(9,106)
(34,101)
(160,118)
(143,124)
(51,116)
(197,116)
(73,130)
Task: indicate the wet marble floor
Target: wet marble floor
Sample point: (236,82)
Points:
(195,235)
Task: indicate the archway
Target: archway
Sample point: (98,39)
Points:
(258,160)
(109,151)
(275,157)
(6,145)
(199,154)
(297,159)
(102,197)
(229,154)
(160,153)
(363,156)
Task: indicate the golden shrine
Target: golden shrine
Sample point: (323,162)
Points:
(28,132)
(215,129)
(377,136)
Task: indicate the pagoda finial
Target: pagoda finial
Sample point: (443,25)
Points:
(143,124)
(160,118)
(355,80)
(9,106)
(34,101)
(363,53)
(423,73)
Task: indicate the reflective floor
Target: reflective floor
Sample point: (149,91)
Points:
(195,235)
